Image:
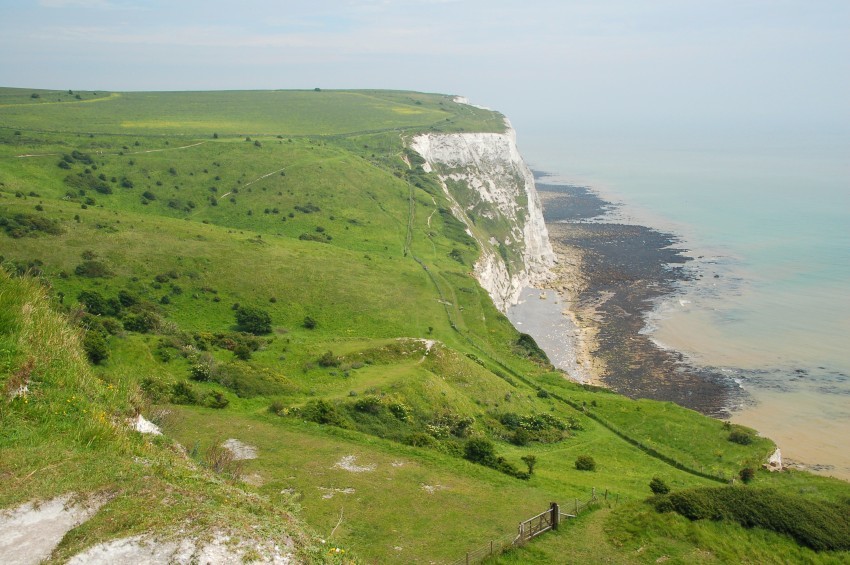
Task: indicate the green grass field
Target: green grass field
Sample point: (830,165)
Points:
(149,220)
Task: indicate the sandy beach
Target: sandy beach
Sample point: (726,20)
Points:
(606,280)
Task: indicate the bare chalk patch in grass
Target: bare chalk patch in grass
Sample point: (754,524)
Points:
(347,464)
(240,451)
(431,489)
(330,492)
(30,532)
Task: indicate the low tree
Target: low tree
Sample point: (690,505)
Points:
(530,461)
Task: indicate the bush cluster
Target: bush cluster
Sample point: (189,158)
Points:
(818,524)
(21,225)
(542,427)
(482,451)
(253,320)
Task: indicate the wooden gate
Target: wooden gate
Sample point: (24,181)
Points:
(535,526)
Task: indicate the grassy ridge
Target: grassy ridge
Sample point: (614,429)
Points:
(150,233)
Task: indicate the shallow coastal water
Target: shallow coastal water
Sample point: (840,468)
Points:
(767,299)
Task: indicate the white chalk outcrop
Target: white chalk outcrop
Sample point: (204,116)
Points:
(491,190)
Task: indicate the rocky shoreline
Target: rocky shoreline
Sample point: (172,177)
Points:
(611,274)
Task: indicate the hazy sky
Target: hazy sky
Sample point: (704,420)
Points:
(620,63)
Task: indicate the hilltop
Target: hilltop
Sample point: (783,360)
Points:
(292,270)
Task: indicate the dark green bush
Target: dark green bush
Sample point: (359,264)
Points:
(480,450)
(156,389)
(216,399)
(253,320)
(277,407)
(527,347)
(242,352)
(328,359)
(97,305)
(143,321)
(658,486)
(585,463)
(741,437)
(370,404)
(92,270)
(747,474)
(323,412)
(96,347)
(183,392)
(818,524)
(20,225)
(421,439)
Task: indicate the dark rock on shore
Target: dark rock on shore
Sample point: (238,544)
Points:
(625,269)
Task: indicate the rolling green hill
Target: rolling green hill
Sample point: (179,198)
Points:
(276,268)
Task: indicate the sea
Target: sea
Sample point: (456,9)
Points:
(765,218)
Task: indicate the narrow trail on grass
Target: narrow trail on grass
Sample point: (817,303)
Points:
(267,175)
(128,153)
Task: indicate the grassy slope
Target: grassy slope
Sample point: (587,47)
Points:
(67,434)
(332,160)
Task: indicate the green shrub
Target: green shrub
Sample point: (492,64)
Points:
(328,359)
(480,450)
(253,320)
(747,474)
(658,486)
(420,439)
(156,389)
(521,437)
(242,352)
(530,461)
(585,463)
(277,407)
(400,410)
(183,392)
(818,524)
(216,399)
(143,321)
(95,347)
(527,347)
(370,404)
(97,305)
(741,437)
(92,269)
(323,412)
(20,225)
(309,323)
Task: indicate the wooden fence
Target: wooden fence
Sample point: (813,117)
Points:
(529,529)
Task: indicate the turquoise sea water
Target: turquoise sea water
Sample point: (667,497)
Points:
(767,219)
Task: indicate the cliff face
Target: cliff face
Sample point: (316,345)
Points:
(491,190)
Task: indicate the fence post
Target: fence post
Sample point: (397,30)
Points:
(606,495)
(556,515)
(467,558)
(491,547)
(576,513)
(593,493)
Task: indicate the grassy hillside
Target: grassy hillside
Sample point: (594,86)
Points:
(241,265)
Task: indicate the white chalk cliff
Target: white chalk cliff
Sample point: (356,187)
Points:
(491,190)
